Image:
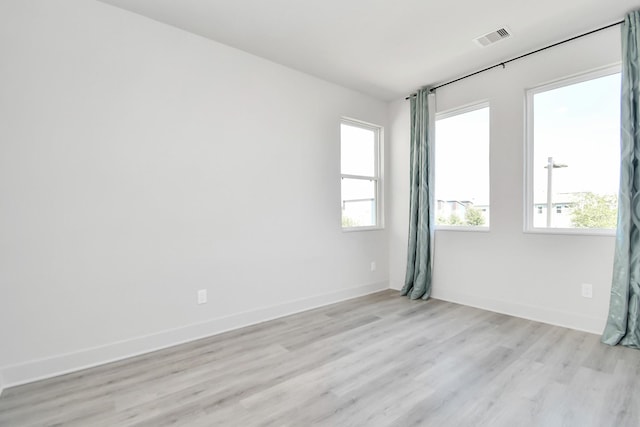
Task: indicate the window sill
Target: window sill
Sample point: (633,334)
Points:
(601,232)
(355,229)
(463,228)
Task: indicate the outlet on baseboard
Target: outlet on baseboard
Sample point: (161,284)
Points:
(587,290)
(202,296)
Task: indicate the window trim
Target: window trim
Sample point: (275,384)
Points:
(467,108)
(377,177)
(529,150)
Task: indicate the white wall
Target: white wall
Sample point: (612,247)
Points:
(139,163)
(529,275)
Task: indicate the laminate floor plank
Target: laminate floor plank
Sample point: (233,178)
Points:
(379,360)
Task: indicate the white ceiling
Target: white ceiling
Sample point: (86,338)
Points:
(382,47)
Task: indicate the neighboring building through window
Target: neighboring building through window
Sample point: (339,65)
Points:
(360,172)
(573,153)
(462,167)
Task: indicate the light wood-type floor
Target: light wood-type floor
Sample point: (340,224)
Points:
(379,360)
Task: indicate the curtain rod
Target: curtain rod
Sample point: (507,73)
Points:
(504,63)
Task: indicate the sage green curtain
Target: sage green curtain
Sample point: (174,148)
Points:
(623,323)
(419,254)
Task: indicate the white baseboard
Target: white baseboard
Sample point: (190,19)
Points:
(35,370)
(539,314)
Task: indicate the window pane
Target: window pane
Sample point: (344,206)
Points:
(462,169)
(358,202)
(576,154)
(358,148)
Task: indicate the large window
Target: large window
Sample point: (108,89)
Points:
(360,160)
(462,168)
(573,153)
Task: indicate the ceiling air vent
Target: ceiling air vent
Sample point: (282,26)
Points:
(493,37)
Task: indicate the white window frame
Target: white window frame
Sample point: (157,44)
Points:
(529,150)
(456,112)
(377,177)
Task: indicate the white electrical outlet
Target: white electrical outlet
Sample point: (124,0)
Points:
(587,290)
(373,266)
(202,296)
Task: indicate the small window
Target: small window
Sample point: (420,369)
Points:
(462,167)
(360,175)
(573,153)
